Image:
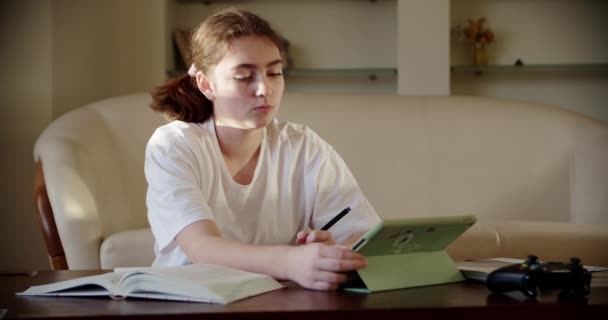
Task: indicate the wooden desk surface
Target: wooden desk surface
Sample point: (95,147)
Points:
(453,301)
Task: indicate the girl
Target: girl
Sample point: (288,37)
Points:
(228,184)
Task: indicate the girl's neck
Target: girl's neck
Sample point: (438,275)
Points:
(240,150)
(238,143)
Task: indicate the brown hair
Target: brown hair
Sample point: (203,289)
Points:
(180,98)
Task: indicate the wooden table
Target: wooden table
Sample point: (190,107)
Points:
(451,301)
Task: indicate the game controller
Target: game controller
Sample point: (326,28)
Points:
(531,275)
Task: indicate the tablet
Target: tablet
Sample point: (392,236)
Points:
(401,236)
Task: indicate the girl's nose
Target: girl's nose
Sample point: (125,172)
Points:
(261,89)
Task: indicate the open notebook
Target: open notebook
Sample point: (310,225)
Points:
(196,283)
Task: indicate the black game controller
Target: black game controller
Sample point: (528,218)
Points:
(531,275)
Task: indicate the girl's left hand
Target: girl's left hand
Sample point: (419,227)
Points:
(304,237)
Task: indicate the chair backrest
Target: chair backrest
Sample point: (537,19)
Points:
(92,159)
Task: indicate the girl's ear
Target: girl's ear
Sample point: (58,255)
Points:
(205,86)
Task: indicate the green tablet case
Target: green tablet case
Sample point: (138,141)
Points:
(408,253)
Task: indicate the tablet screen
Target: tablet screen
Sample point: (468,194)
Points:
(412,235)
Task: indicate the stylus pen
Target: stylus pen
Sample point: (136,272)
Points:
(336,219)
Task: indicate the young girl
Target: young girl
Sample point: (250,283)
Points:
(228,184)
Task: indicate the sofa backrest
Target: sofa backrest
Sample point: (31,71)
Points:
(412,156)
(498,159)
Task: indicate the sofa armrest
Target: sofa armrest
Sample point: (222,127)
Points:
(84,172)
(550,241)
(131,248)
(73,203)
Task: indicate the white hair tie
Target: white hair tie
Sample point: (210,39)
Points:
(192,71)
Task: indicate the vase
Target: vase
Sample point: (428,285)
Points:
(480,55)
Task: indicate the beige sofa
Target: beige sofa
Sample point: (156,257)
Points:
(536,176)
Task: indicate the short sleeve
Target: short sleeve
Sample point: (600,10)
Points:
(175,198)
(336,190)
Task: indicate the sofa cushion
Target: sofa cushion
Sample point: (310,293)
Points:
(132,248)
(589,174)
(550,241)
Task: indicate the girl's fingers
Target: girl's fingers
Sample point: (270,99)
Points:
(330,277)
(340,252)
(318,236)
(339,265)
(321,285)
(301,237)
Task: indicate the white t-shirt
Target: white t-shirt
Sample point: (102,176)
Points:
(300,183)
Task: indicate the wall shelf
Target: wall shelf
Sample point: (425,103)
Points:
(545,68)
(375,73)
(371,74)
(210,2)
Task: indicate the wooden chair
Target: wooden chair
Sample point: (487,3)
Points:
(46,221)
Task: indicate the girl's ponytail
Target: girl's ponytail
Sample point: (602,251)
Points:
(180,99)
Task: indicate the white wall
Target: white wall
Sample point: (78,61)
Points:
(104,48)
(56,56)
(539,32)
(142,50)
(85,52)
(26,108)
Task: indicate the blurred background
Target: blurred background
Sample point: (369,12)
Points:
(58,55)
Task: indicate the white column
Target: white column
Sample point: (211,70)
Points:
(423,44)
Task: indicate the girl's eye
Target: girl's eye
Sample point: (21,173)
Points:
(243,78)
(275,74)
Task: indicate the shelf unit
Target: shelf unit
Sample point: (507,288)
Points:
(350,42)
(325,40)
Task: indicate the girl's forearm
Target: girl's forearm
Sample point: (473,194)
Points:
(266,259)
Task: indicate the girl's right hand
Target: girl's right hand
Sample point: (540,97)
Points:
(304,237)
(320,266)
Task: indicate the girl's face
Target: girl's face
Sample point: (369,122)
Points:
(247,85)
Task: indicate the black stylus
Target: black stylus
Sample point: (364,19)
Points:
(336,219)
